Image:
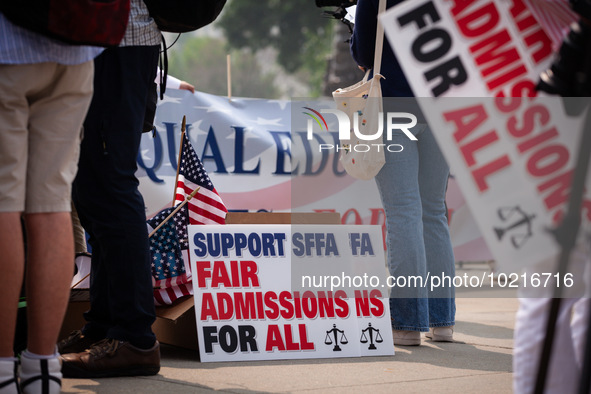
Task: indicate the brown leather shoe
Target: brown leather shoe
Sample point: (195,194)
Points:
(76,342)
(109,358)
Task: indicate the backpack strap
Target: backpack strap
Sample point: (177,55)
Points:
(377,60)
(163,63)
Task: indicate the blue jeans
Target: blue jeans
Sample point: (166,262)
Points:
(412,187)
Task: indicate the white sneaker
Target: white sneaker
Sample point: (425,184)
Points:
(36,375)
(8,377)
(441,334)
(406,338)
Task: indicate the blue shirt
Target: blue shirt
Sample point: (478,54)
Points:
(21,46)
(363,48)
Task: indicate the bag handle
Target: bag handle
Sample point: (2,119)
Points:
(377,60)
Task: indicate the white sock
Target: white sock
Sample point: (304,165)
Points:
(40,373)
(8,375)
(35,356)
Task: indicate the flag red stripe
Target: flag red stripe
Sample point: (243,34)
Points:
(197,212)
(186,290)
(170,282)
(158,300)
(213,202)
(204,201)
(171,294)
(186,187)
(207,203)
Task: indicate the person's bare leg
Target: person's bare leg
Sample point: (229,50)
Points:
(12,261)
(50,268)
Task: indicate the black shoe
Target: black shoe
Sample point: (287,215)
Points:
(110,358)
(76,342)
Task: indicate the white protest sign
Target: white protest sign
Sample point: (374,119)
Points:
(478,48)
(513,157)
(247,307)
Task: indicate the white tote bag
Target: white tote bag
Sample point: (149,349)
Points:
(362,157)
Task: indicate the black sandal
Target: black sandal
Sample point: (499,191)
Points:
(13,380)
(45,378)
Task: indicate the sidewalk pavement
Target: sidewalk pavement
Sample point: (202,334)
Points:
(478,362)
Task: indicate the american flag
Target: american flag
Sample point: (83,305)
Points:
(207,206)
(169,248)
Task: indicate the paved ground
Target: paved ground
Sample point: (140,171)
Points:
(479,362)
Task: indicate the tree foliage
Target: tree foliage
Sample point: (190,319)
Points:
(202,62)
(294,27)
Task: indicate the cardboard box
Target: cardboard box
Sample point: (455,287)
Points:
(74,320)
(176,324)
(283,218)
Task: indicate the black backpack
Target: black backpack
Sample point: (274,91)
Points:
(176,16)
(180,16)
(78,22)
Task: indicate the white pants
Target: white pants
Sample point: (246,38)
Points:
(564,370)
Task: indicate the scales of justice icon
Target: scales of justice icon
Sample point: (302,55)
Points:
(337,337)
(521,221)
(335,333)
(370,331)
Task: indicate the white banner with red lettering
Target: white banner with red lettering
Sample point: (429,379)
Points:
(257,162)
(513,157)
(261,293)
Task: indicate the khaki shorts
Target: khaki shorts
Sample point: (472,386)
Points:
(42,107)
